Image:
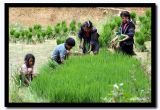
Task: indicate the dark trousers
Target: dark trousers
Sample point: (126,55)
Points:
(126,48)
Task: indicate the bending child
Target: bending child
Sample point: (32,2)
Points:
(62,51)
(26,71)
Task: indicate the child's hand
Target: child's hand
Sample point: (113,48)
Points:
(89,51)
(68,52)
(80,46)
(30,70)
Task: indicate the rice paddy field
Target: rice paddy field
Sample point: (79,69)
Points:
(101,78)
(108,77)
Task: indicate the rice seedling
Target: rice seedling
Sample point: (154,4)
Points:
(49,32)
(76,82)
(73,26)
(133,16)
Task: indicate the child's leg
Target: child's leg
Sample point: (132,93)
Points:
(95,49)
(24,79)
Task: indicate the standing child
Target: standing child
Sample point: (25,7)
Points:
(62,51)
(26,71)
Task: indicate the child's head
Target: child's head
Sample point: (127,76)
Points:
(87,26)
(70,42)
(29,60)
(125,15)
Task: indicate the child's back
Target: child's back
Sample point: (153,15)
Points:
(59,51)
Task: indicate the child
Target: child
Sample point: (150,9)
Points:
(62,51)
(26,71)
(87,30)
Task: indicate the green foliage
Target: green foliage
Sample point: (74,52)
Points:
(117,20)
(148,13)
(38,34)
(107,31)
(60,40)
(145,30)
(76,82)
(49,32)
(16,35)
(139,38)
(31,29)
(52,64)
(12,31)
(105,35)
(73,26)
(133,16)
(79,25)
(37,27)
(64,27)
(57,28)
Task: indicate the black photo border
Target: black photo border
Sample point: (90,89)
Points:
(153,103)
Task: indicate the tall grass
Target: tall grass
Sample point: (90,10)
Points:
(91,79)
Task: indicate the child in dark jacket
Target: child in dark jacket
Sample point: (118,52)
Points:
(88,36)
(127,29)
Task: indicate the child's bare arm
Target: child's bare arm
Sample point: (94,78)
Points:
(90,48)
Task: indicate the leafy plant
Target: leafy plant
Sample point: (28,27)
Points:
(73,26)
(49,32)
(139,38)
(60,40)
(133,16)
